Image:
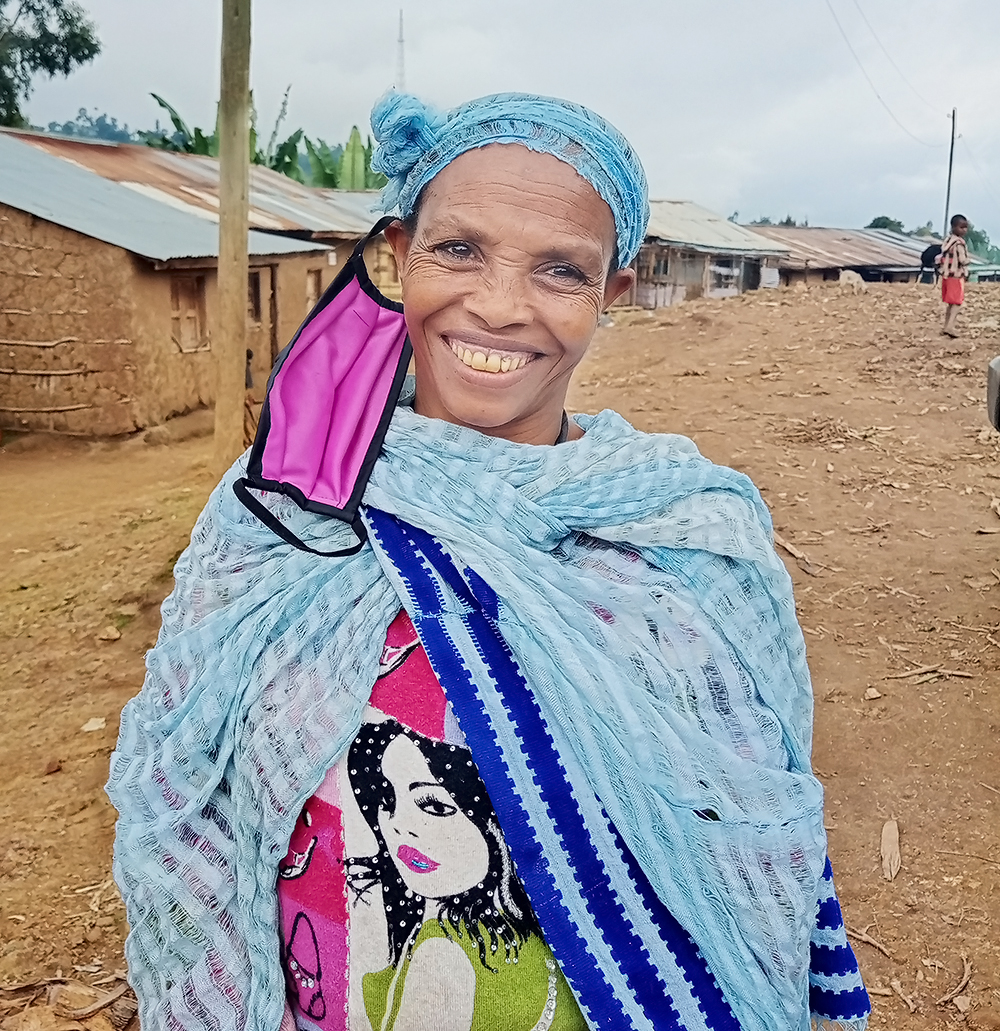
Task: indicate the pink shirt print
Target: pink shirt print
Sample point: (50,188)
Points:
(398,898)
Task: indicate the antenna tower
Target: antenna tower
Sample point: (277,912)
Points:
(400,57)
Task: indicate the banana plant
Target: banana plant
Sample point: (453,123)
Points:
(323,163)
(339,167)
(183,140)
(355,171)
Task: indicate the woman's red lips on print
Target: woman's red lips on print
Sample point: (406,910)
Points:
(416,860)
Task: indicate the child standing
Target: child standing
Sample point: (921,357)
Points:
(954,270)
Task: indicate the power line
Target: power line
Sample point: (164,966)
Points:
(868,79)
(914,89)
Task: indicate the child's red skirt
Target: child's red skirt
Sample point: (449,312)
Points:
(952,290)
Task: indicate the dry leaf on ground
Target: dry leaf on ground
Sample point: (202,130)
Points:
(891,859)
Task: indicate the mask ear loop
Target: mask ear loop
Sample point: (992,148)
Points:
(276,526)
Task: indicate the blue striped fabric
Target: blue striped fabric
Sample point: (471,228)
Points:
(629,962)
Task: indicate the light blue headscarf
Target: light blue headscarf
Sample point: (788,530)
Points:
(415,141)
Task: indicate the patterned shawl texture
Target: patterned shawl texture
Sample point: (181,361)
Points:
(680,682)
(414,142)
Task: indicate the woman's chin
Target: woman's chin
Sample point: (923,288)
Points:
(493,421)
(488,411)
(488,404)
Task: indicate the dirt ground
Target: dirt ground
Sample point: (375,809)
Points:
(864,429)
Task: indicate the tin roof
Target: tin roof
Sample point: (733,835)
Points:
(191,182)
(815,247)
(689,225)
(73,197)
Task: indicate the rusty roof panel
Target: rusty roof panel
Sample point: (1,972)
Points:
(685,224)
(191,181)
(70,195)
(816,247)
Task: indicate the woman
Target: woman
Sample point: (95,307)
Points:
(605,626)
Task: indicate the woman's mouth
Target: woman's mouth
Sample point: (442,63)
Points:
(415,860)
(488,359)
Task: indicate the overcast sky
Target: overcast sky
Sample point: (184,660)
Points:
(755,106)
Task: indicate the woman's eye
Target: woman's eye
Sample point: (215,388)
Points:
(567,272)
(455,249)
(434,806)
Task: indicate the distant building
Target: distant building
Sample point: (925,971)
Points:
(985,272)
(190,182)
(816,253)
(108,295)
(691,252)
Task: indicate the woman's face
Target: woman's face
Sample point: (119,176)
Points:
(438,851)
(504,279)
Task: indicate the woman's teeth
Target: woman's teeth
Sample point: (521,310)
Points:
(488,362)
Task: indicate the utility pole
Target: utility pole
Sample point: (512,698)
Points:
(230,337)
(400,57)
(951,162)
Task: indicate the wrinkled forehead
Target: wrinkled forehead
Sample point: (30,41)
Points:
(508,187)
(509,174)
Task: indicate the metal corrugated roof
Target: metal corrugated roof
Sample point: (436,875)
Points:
(72,196)
(689,225)
(816,247)
(190,181)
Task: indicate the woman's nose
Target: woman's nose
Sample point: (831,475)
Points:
(500,299)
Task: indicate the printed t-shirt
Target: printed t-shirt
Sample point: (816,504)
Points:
(954,258)
(399,902)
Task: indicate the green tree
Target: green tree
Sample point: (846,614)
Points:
(94,127)
(787,222)
(49,36)
(979,244)
(884,222)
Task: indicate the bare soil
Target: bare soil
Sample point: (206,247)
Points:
(864,429)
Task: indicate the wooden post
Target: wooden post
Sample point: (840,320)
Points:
(229,340)
(946,229)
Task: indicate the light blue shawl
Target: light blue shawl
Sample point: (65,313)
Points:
(683,689)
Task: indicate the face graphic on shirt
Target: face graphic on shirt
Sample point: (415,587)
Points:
(437,850)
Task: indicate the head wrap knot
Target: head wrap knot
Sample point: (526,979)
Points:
(415,141)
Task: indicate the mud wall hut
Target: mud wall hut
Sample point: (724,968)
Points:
(107,299)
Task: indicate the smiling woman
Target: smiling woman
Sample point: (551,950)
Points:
(506,267)
(534,741)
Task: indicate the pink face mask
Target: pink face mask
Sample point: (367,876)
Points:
(329,401)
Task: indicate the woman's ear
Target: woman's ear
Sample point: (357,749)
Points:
(618,283)
(399,240)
